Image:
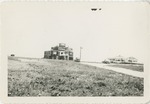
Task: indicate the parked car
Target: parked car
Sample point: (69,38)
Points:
(12,55)
(106,62)
(77,60)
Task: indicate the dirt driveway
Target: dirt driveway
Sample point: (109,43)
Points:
(120,70)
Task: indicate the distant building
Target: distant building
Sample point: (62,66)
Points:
(121,59)
(131,60)
(59,52)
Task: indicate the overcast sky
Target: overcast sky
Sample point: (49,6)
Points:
(117,29)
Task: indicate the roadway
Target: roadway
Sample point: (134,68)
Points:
(116,69)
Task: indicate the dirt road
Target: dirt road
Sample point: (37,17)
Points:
(120,70)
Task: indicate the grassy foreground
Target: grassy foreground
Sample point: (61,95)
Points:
(43,77)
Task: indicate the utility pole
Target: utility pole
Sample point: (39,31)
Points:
(80,52)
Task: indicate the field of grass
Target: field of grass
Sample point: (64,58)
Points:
(130,66)
(44,77)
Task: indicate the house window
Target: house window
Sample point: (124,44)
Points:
(54,53)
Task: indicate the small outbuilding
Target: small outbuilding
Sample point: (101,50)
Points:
(131,59)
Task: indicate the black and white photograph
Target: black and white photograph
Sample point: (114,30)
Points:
(75,49)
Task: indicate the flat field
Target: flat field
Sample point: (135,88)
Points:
(133,67)
(45,77)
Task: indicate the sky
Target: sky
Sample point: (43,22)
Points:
(30,28)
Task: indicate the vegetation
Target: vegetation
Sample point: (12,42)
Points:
(44,77)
